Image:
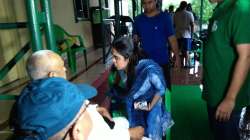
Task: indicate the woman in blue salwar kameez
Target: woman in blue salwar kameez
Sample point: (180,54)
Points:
(144,83)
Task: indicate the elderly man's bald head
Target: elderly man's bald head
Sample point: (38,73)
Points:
(45,63)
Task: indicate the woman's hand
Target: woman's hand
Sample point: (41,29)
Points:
(149,107)
(154,101)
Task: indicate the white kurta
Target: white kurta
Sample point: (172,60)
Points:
(101,130)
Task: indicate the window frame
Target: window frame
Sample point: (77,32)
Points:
(80,11)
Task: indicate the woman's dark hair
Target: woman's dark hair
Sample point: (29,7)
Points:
(125,47)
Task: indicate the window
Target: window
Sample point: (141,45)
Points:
(106,4)
(81,9)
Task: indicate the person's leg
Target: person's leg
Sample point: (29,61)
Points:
(181,49)
(167,72)
(154,129)
(135,117)
(186,51)
(189,51)
(228,130)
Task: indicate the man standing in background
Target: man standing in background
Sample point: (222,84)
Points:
(153,29)
(184,27)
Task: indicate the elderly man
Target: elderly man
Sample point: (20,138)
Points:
(226,66)
(50,107)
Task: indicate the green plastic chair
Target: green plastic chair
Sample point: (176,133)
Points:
(67,44)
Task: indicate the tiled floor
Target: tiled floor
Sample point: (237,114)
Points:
(95,68)
(186,76)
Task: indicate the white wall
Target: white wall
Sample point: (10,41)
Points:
(12,40)
(93,3)
(63,14)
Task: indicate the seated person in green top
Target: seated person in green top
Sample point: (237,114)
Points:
(117,91)
(143,88)
(117,88)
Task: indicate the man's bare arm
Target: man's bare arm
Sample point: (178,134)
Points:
(192,27)
(174,45)
(136,39)
(240,72)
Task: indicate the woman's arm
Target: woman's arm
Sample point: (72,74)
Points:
(154,101)
(160,87)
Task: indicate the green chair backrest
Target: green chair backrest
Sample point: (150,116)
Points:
(59,34)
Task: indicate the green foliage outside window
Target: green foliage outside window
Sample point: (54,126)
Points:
(207,9)
(196,5)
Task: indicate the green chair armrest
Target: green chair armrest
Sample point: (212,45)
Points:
(8,97)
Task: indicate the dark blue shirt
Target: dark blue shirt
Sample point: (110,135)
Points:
(154,33)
